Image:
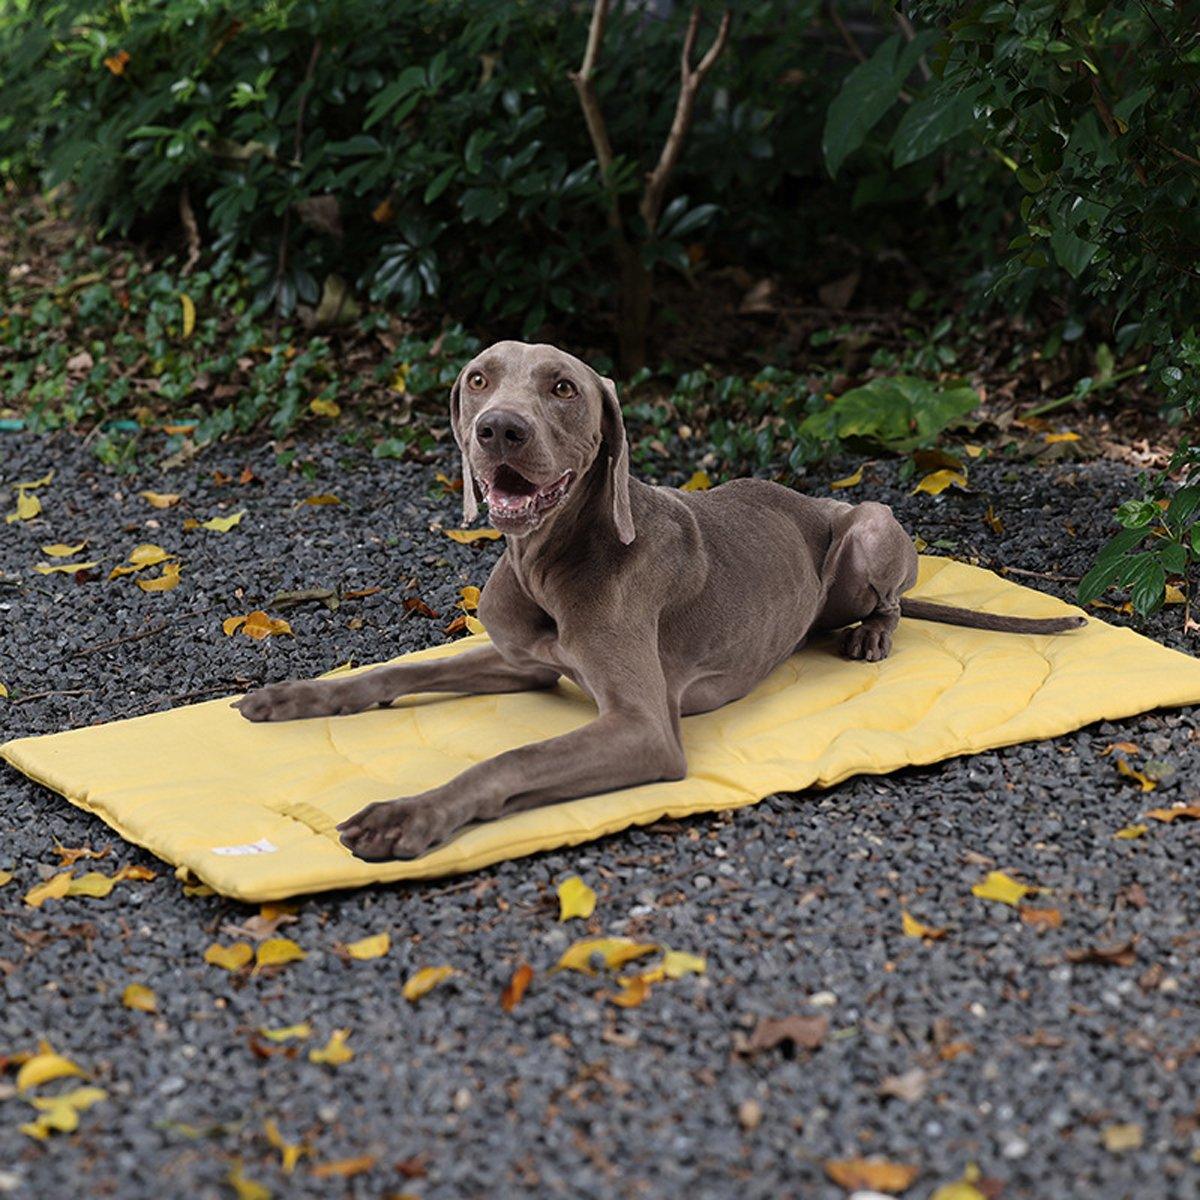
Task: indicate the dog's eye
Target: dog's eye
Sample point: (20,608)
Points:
(564,389)
(477,381)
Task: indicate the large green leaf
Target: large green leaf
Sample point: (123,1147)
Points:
(930,122)
(899,412)
(866,94)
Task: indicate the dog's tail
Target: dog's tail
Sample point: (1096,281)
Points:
(948,614)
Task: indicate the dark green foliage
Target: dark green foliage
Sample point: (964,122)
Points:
(435,151)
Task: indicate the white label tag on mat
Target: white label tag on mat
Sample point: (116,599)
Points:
(262,846)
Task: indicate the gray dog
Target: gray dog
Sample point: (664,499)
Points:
(657,603)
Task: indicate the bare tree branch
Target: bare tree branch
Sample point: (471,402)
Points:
(690,80)
(585,88)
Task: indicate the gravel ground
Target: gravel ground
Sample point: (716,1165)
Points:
(1013,1056)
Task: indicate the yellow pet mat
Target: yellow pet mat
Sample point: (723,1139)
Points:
(251,809)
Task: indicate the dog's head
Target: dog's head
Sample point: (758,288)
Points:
(531,422)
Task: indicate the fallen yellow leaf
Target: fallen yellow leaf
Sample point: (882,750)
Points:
(1005,889)
(60,1114)
(29,485)
(424,981)
(5,877)
(27,508)
(873,1174)
(1118,1139)
(243,1188)
(3,691)
(937,482)
(288,1033)
(473,624)
(575,899)
(972,450)
(612,952)
(849,481)
(1174,595)
(1053,439)
(322,499)
(256,625)
(289,1152)
(140,998)
(375,946)
(678,963)
(1131,831)
(54,888)
(223,524)
(470,598)
(145,555)
(335,1052)
(160,499)
(1147,784)
(962,1189)
(633,992)
(699,482)
(162,583)
(916,929)
(64,568)
(231,958)
(325,408)
(62,550)
(275,952)
(189,314)
(44,1067)
(116,62)
(93,884)
(466,536)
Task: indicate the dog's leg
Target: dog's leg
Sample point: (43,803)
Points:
(482,670)
(870,563)
(635,739)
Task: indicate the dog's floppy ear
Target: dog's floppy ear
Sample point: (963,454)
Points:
(470,503)
(613,429)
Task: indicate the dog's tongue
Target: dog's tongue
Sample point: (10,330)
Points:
(511,491)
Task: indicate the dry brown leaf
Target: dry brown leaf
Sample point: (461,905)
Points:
(344,1168)
(909,1087)
(1109,954)
(794,1033)
(257,625)
(160,499)
(511,996)
(416,604)
(1041,918)
(1186,812)
(70,855)
(871,1174)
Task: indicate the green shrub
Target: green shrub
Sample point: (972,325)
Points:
(434,152)
(1091,110)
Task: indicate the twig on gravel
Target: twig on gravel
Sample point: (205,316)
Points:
(129,637)
(1041,574)
(55,692)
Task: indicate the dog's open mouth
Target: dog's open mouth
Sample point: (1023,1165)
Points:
(514,501)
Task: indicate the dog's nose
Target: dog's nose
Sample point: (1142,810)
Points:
(502,429)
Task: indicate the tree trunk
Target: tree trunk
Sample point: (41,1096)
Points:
(633,310)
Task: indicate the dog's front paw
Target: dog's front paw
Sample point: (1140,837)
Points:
(299,698)
(395,829)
